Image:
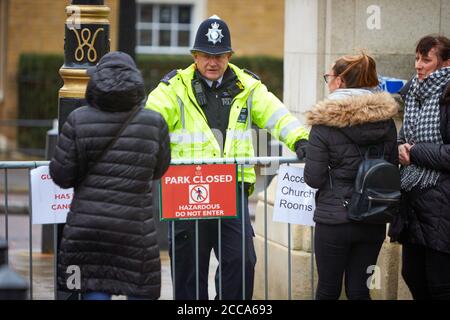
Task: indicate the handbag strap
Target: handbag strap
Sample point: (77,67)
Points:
(132,114)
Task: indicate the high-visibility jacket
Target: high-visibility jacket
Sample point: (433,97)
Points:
(192,138)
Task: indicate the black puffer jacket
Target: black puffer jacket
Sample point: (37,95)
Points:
(367,119)
(110,232)
(428,210)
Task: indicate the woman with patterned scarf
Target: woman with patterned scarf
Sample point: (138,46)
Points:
(424,153)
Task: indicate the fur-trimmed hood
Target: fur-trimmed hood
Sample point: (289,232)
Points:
(354,110)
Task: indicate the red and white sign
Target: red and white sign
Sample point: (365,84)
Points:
(50,203)
(199,191)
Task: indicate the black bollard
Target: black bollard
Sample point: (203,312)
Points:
(12,286)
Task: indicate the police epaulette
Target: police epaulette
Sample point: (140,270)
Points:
(169,76)
(252,74)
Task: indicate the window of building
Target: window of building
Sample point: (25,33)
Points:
(166,26)
(3,28)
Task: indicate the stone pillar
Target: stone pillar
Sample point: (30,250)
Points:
(303,53)
(319,31)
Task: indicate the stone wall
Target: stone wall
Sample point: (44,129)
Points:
(257,27)
(319,31)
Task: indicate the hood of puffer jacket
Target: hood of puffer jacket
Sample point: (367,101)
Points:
(116,84)
(353,110)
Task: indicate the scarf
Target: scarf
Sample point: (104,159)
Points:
(350,92)
(421,124)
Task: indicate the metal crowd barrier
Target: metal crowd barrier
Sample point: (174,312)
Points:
(14,165)
(242,162)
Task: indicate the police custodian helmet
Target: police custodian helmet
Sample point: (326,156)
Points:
(213,37)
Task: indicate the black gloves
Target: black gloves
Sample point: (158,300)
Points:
(300,148)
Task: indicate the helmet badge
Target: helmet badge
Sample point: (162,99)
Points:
(215,34)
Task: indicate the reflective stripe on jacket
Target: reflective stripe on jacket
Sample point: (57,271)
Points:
(192,138)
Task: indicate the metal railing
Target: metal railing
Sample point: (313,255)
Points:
(242,162)
(11,165)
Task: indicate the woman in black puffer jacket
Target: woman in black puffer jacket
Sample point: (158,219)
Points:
(110,232)
(355,110)
(424,150)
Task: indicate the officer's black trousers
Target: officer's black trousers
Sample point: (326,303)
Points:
(231,256)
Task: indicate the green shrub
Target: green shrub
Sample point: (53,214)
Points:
(154,67)
(38,86)
(39,83)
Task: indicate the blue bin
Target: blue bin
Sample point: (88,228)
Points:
(391,85)
(394,86)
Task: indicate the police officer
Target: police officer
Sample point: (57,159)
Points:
(210,107)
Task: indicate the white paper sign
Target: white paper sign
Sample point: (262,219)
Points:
(295,200)
(50,203)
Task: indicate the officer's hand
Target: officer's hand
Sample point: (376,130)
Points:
(300,148)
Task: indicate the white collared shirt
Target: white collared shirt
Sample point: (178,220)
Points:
(210,82)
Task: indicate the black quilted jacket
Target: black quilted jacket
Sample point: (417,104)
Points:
(110,232)
(367,119)
(428,211)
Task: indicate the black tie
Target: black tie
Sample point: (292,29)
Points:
(214,85)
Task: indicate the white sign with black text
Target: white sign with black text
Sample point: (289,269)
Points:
(50,203)
(294,200)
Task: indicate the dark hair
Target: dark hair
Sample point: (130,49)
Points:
(441,43)
(357,71)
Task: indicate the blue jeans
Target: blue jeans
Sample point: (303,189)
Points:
(105,296)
